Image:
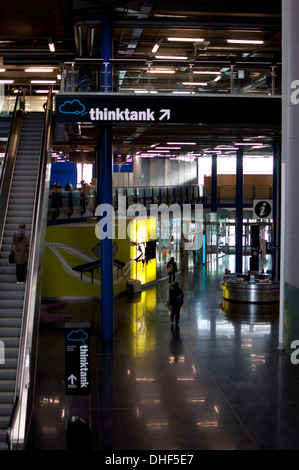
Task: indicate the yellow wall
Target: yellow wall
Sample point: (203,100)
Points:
(71,245)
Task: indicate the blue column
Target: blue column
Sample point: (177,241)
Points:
(106,49)
(107,243)
(276,198)
(214,183)
(239,211)
(106,184)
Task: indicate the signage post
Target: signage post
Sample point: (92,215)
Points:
(77,384)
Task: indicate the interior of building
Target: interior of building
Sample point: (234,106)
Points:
(119,109)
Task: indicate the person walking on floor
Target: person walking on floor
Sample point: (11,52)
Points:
(172,269)
(21,246)
(176,300)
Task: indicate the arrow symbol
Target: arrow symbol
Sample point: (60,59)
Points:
(166,113)
(72,378)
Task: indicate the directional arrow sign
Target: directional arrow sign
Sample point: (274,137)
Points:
(166,113)
(72,379)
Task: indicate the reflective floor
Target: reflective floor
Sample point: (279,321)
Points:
(217,382)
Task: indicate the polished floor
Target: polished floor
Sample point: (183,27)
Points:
(217,382)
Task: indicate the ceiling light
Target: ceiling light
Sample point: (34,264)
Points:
(171,57)
(155,48)
(171,148)
(2,70)
(195,83)
(205,72)
(186,39)
(39,69)
(6,82)
(217,78)
(145,91)
(181,143)
(183,93)
(46,91)
(249,143)
(160,71)
(51,45)
(50,82)
(244,41)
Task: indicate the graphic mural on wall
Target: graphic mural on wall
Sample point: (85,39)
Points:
(72,263)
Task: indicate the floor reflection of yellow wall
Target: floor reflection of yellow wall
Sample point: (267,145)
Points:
(143,323)
(140,232)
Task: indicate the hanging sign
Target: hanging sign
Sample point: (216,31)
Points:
(104,108)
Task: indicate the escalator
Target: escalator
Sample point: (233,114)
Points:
(24,193)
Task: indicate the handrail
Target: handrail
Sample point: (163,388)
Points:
(9,159)
(16,432)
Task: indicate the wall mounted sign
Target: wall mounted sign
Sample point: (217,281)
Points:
(262,208)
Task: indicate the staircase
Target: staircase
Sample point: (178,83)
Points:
(20,209)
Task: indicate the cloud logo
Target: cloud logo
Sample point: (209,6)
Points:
(72,107)
(77,335)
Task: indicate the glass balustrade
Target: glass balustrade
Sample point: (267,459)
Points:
(82,203)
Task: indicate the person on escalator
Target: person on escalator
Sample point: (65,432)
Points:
(21,243)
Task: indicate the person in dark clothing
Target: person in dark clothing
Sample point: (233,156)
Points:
(21,246)
(172,269)
(176,300)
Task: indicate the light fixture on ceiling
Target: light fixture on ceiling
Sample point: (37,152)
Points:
(43,92)
(195,83)
(155,48)
(39,70)
(251,144)
(177,92)
(43,82)
(171,57)
(244,41)
(51,45)
(217,78)
(6,82)
(2,70)
(181,143)
(160,71)
(205,72)
(175,39)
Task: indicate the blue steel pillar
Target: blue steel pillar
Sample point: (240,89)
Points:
(214,183)
(106,49)
(239,211)
(105,189)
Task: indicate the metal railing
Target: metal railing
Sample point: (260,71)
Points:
(79,203)
(87,75)
(9,159)
(16,433)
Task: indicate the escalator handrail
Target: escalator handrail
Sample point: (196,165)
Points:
(26,350)
(9,158)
